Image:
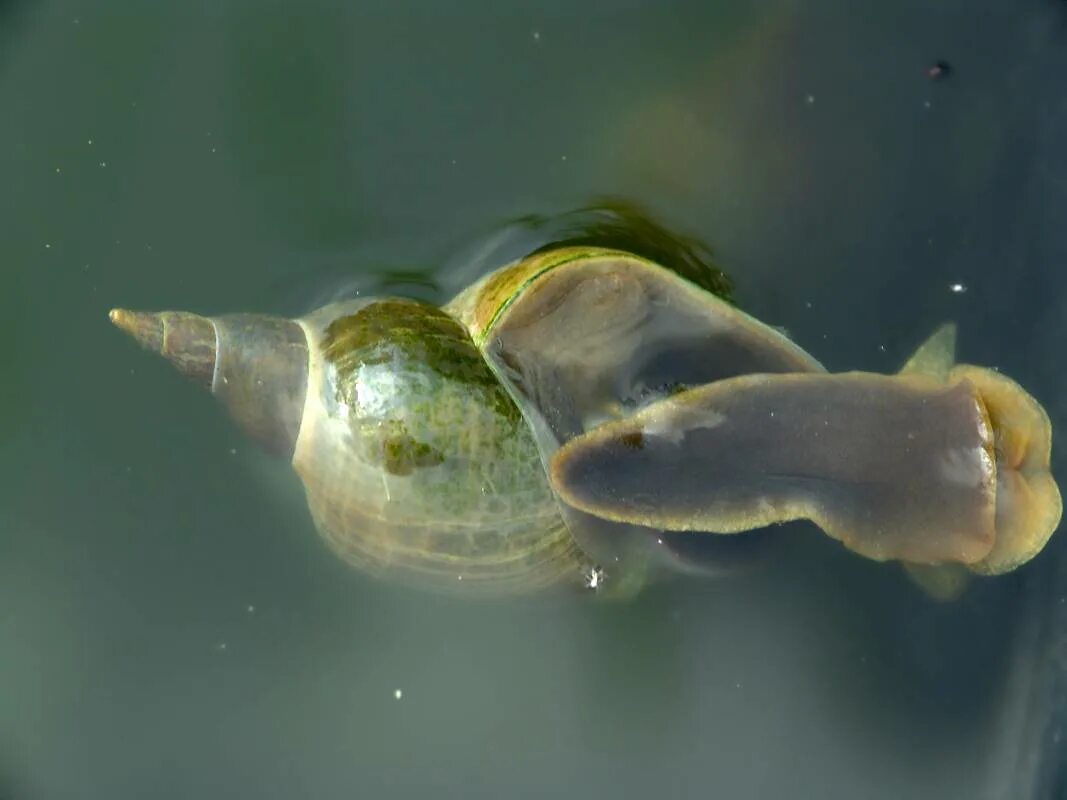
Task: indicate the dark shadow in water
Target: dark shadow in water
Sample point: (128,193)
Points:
(612,222)
(12,15)
(10,789)
(622,224)
(729,553)
(14,367)
(888,652)
(10,10)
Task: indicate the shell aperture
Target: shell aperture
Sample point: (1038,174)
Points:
(582,336)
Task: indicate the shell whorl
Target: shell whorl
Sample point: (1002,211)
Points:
(256,365)
(417,463)
(187,340)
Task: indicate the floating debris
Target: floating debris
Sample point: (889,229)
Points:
(957,288)
(594,577)
(939,70)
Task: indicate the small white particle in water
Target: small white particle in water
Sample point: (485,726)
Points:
(563,158)
(772,413)
(251,609)
(212,149)
(453,161)
(594,577)
(810,99)
(90,141)
(103,163)
(659,541)
(48,247)
(738,685)
(221,646)
(398,694)
(957,288)
(881,347)
(926,104)
(537,36)
(807,304)
(233,451)
(57,170)
(459,577)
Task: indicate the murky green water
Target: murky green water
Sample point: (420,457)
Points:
(171,626)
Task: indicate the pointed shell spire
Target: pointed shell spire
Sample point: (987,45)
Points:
(256,365)
(188,341)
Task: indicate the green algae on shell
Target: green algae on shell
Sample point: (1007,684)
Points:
(416,462)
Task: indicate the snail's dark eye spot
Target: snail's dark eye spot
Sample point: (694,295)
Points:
(634,440)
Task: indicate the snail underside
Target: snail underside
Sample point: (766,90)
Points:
(552,420)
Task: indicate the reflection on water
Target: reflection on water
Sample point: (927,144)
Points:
(611,222)
(223,159)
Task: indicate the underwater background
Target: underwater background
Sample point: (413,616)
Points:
(170,624)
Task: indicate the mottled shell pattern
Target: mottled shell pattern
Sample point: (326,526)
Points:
(416,461)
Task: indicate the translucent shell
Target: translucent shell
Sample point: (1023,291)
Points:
(416,462)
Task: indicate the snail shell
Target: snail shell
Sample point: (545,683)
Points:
(416,461)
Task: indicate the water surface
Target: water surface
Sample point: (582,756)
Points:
(170,626)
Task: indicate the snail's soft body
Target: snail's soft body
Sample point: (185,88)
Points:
(424,436)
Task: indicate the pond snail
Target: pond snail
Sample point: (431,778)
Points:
(549,421)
